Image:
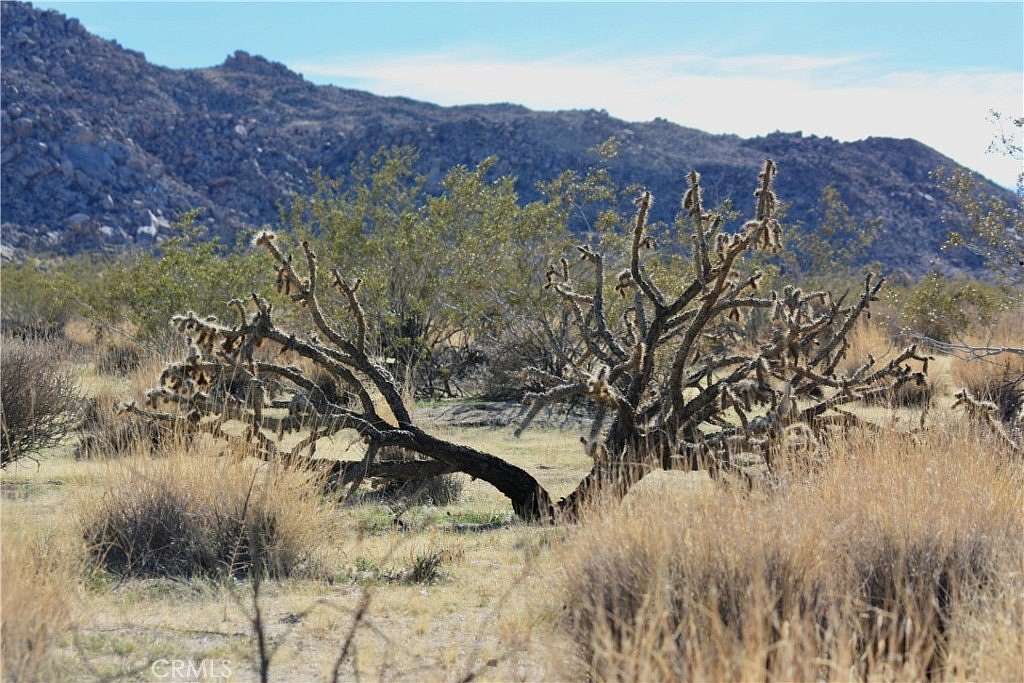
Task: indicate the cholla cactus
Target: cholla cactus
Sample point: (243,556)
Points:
(985,413)
(671,387)
(669,384)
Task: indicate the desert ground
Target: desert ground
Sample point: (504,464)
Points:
(416,592)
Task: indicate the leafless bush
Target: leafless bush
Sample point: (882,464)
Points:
(444,489)
(119,359)
(545,341)
(39,401)
(105,433)
(998,378)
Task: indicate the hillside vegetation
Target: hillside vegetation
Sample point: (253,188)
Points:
(142,144)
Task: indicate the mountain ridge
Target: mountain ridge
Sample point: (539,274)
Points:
(101,149)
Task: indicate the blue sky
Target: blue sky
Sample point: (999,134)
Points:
(929,71)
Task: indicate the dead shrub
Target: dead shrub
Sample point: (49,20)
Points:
(108,433)
(119,359)
(39,401)
(198,515)
(445,489)
(998,377)
(912,393)
(863,571)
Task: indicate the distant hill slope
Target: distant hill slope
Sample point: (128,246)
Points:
(100,148)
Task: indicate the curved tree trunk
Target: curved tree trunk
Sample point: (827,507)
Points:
(657,421)
(530,500)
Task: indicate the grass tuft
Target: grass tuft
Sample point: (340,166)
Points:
(198,515)
(37,587)
(865,569)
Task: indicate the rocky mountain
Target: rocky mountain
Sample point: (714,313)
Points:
(100,148)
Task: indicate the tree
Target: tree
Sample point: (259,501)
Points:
(829,250)
(434,269)
(990,226)
(666,376)
(148,288)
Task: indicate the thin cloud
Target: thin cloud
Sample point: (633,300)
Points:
(846,97)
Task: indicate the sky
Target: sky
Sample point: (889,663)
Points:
(930,71)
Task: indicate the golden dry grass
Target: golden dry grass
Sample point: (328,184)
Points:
(194,510)
(981,375)
(491,603)
(38,580)
(867,338)
(870,338)
(439,630)
(900,559)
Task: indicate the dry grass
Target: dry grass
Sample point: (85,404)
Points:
(867,338)
(998,378)
(191,513)
(448,585)
(870,338)
(38,586)
(451,587)
(106,432)
(895,562)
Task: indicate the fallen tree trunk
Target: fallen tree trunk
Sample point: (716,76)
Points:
(670,384)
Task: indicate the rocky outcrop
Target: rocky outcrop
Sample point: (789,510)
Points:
(101,149)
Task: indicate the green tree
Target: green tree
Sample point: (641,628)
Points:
(943,309)
(988,225)
(148,288)
(829,249)
(435,270)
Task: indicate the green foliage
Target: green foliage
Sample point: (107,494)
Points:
(36,293)
(988,225)
(150,288)
(833,245)
(944,308)
(434,269)
(144,289)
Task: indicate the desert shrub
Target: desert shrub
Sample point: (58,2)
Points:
(828,249)
(426,565)
(36,301)
(197,515)
(862,571)
(913,393)
(539,339)
(39,401)
(106,432)
(943,308)
(119,359)
(869,338)
(38,579)
(442,490)
(439,491)
(147,289)
(998,378)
